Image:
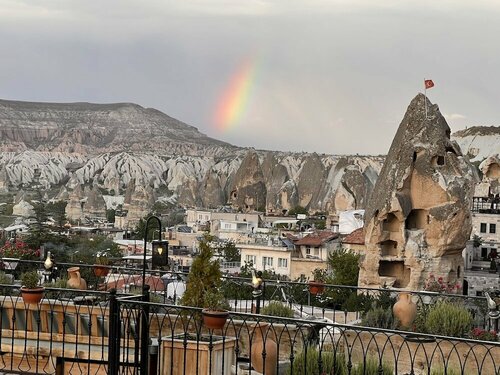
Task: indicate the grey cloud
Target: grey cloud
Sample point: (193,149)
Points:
(315,63)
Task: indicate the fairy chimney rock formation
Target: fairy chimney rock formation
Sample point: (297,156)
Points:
(418,218)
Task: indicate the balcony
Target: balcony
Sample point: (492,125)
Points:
(102,331)
(486,205)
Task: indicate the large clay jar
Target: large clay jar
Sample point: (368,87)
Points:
(405,310)
(264,349)
(75,281)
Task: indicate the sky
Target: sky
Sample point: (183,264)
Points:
(325,76)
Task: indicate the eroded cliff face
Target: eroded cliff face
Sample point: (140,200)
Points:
(88,154)
(418,218)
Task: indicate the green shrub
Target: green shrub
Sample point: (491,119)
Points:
(30,280)
(5,279)
(335,363)
(307,362)
(448,319)
(276,308)
(379,317)
(59,283)
(371,367)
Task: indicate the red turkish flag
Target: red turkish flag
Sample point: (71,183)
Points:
(428,83)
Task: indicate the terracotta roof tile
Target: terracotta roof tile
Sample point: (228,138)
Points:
(317,238)
(356,237)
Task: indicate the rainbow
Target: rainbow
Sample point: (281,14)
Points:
(233,102)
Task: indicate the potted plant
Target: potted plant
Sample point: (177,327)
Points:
(215,312)
(31,291)
(101,266)
(317,285)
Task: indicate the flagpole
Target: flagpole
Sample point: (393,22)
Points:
(425,99)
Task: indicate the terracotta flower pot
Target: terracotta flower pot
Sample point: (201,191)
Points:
(32,296)
(316,287)
(214,319)
(100,270)
(404,309)
(264,354)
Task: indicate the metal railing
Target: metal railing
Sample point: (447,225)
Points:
(102,331)
(338,303)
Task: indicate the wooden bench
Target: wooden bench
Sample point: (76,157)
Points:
(59,337)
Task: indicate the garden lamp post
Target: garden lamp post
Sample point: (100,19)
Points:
(145,244)
(145,341)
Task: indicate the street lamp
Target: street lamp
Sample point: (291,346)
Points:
(145,244)
(160,253)
(145,341)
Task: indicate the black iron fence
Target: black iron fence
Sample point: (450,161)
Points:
(102,331)
(179,343)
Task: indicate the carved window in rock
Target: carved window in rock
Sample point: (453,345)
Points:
(396,270)
(391,223)
(451,150)
(437,161)
(417,219)
(389,248)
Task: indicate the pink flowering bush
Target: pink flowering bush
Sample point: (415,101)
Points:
(482,334)
(440,286)
(18,250)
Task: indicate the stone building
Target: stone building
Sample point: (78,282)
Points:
(418,218)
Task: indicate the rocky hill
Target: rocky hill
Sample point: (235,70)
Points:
(97,128)
(479,142)
(124,156)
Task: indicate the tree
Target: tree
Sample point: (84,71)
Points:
(57,211)
(39,231)
(297,210)
(204,275)
(140,229)
(345,267)
(477,241)
(110,215)
(229,252)
(345,271)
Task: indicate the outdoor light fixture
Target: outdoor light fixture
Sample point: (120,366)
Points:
(157,219)
(160,253)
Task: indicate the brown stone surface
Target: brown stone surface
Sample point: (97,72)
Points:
(248,190)
(418,219)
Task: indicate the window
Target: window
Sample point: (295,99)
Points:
(308,250)
(227,226)
(251,259)
(282,263)
(483,228)
(267,262)
(493,228)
